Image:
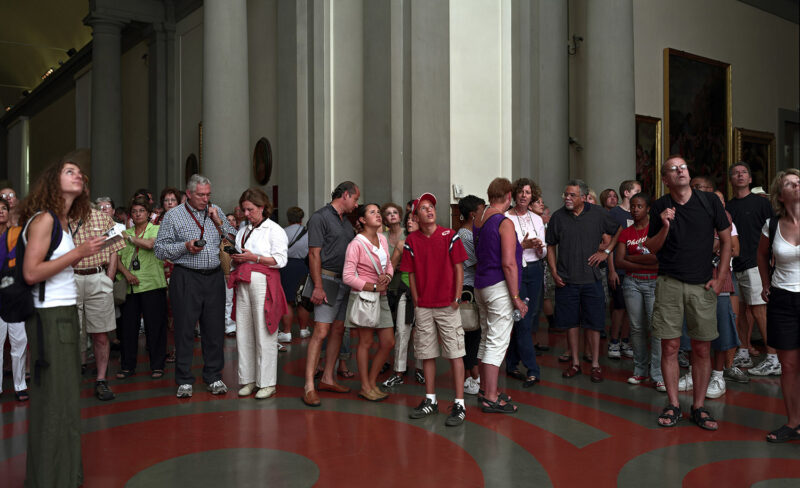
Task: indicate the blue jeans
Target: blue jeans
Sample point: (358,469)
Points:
(521,345)
(639,298)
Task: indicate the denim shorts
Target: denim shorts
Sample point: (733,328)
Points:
(583,305)
(726,326)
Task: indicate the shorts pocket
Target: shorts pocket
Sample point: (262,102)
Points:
(106,284)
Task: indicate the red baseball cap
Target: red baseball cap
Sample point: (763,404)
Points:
(424,196)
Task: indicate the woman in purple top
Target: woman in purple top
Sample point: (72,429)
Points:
(497,281)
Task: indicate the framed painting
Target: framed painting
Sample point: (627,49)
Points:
(697,114)
(262,161)
(757,149)
(648,154)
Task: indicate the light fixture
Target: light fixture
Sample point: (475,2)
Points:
(48,72)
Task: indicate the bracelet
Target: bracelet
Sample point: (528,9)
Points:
(515,297)
(258,260)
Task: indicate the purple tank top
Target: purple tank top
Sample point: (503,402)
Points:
(489,270)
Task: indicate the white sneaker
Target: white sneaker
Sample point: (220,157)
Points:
(613,351)
(305,333)
(627,350)
(742,359)
(281,347)
(471,386)
(218,388)
(661,386)
(247,389)
(686,383)
(766,367)
(184,391)
(265,392)
(716,387)
(284,337)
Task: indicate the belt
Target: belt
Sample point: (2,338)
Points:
(89,271)
(332,274)
(204,272)
(643,276)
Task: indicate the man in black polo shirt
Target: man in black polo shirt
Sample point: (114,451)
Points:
(749,212)
(572,237)
(329,233)
(681,235)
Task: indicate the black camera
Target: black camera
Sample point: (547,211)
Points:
(135,264)
(230,250)
(200,243)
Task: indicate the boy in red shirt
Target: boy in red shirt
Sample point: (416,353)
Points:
(433,257)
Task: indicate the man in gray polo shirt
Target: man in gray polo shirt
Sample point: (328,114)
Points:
(573,235)
(329,233)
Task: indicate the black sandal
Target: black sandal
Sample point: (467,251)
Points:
(784,434)
(516,374)
(530,381)
(124,373)
(497,407)
(702,422)
(673,418)
(500,396)
(157,373)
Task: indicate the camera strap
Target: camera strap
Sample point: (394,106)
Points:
(201,227)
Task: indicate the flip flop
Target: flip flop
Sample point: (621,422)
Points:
(157,373)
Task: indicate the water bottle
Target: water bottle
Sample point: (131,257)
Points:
(517,315)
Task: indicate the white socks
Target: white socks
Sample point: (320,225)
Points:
(432,398)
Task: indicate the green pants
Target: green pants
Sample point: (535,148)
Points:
(54,415)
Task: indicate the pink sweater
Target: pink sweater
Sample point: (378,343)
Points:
(356,260)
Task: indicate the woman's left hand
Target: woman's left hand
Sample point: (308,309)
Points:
(384,279)
(520,305)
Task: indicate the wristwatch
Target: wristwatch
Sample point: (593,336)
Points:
(606,251)
(374,287)
(458,300)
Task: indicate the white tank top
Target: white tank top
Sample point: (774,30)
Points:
(60,289)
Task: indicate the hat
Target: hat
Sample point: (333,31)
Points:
(758,190)
(424,196)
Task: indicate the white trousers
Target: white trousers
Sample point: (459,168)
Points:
(19,346)
(258,349)
(230,325)
(495,309)
(402,335)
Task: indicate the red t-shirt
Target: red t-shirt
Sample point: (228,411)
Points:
(634,244)
(431,259)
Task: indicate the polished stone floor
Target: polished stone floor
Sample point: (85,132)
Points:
(567,433)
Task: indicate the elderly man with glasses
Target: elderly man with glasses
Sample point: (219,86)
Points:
(681,235)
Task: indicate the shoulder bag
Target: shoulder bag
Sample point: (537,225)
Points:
(469,313)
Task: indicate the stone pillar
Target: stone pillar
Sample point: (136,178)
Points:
(609,109)
(226,120)
(552,127)
(158,127)
(106,123)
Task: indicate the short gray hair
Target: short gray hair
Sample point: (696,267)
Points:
(581,184)
(195,180)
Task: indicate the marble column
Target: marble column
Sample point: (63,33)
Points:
(106,110)
(609,151)
(226,102)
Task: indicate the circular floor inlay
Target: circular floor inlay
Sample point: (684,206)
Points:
(245,467)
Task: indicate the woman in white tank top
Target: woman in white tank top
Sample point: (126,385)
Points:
(54,437)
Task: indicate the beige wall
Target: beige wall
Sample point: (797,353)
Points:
(761,48)
(52,134)
(189,81)
(135,112)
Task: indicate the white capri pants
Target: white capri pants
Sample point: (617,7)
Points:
(258,349)
(495,310)
(19,345)
(402,335)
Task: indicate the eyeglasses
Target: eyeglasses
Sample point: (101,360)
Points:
(105,207)
(674,169)
(6,196)
(570,195)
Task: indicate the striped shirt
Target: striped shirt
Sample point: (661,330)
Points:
(178,227)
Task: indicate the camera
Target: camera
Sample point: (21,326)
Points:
(230,250)
(135,264)
(200,243)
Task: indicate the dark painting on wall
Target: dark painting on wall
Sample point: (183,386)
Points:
(648,154)
(757,149)
(697,112)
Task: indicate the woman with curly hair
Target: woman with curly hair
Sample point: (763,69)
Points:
(54,433)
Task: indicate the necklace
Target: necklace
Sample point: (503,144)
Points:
(521,223)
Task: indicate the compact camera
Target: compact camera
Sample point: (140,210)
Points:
(200,243)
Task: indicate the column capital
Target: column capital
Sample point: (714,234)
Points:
(104,23)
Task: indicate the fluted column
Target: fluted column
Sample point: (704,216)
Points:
(106,123)
(610,125)
(226,120)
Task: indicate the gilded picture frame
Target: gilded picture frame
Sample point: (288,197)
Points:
(757,149)
(698,114)
(648,154)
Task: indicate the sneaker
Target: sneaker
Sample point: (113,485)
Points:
(614,351)
(284,337)
(265,392)
(281,347)
(683,359)
(471,386)
(627,350)
(419,376)
(305,333)
(766,367)
(637,380)
(661,386)
(457,415)
(686,383)
(742,359)
(218,388)
(184,391)
(425,408)
(716,387)
(394,380)
(735,374)
(102,391)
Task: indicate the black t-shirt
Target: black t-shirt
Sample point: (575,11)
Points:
(749,214)
(689,246)
(577,239)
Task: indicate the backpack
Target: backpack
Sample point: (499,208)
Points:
(16,299)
